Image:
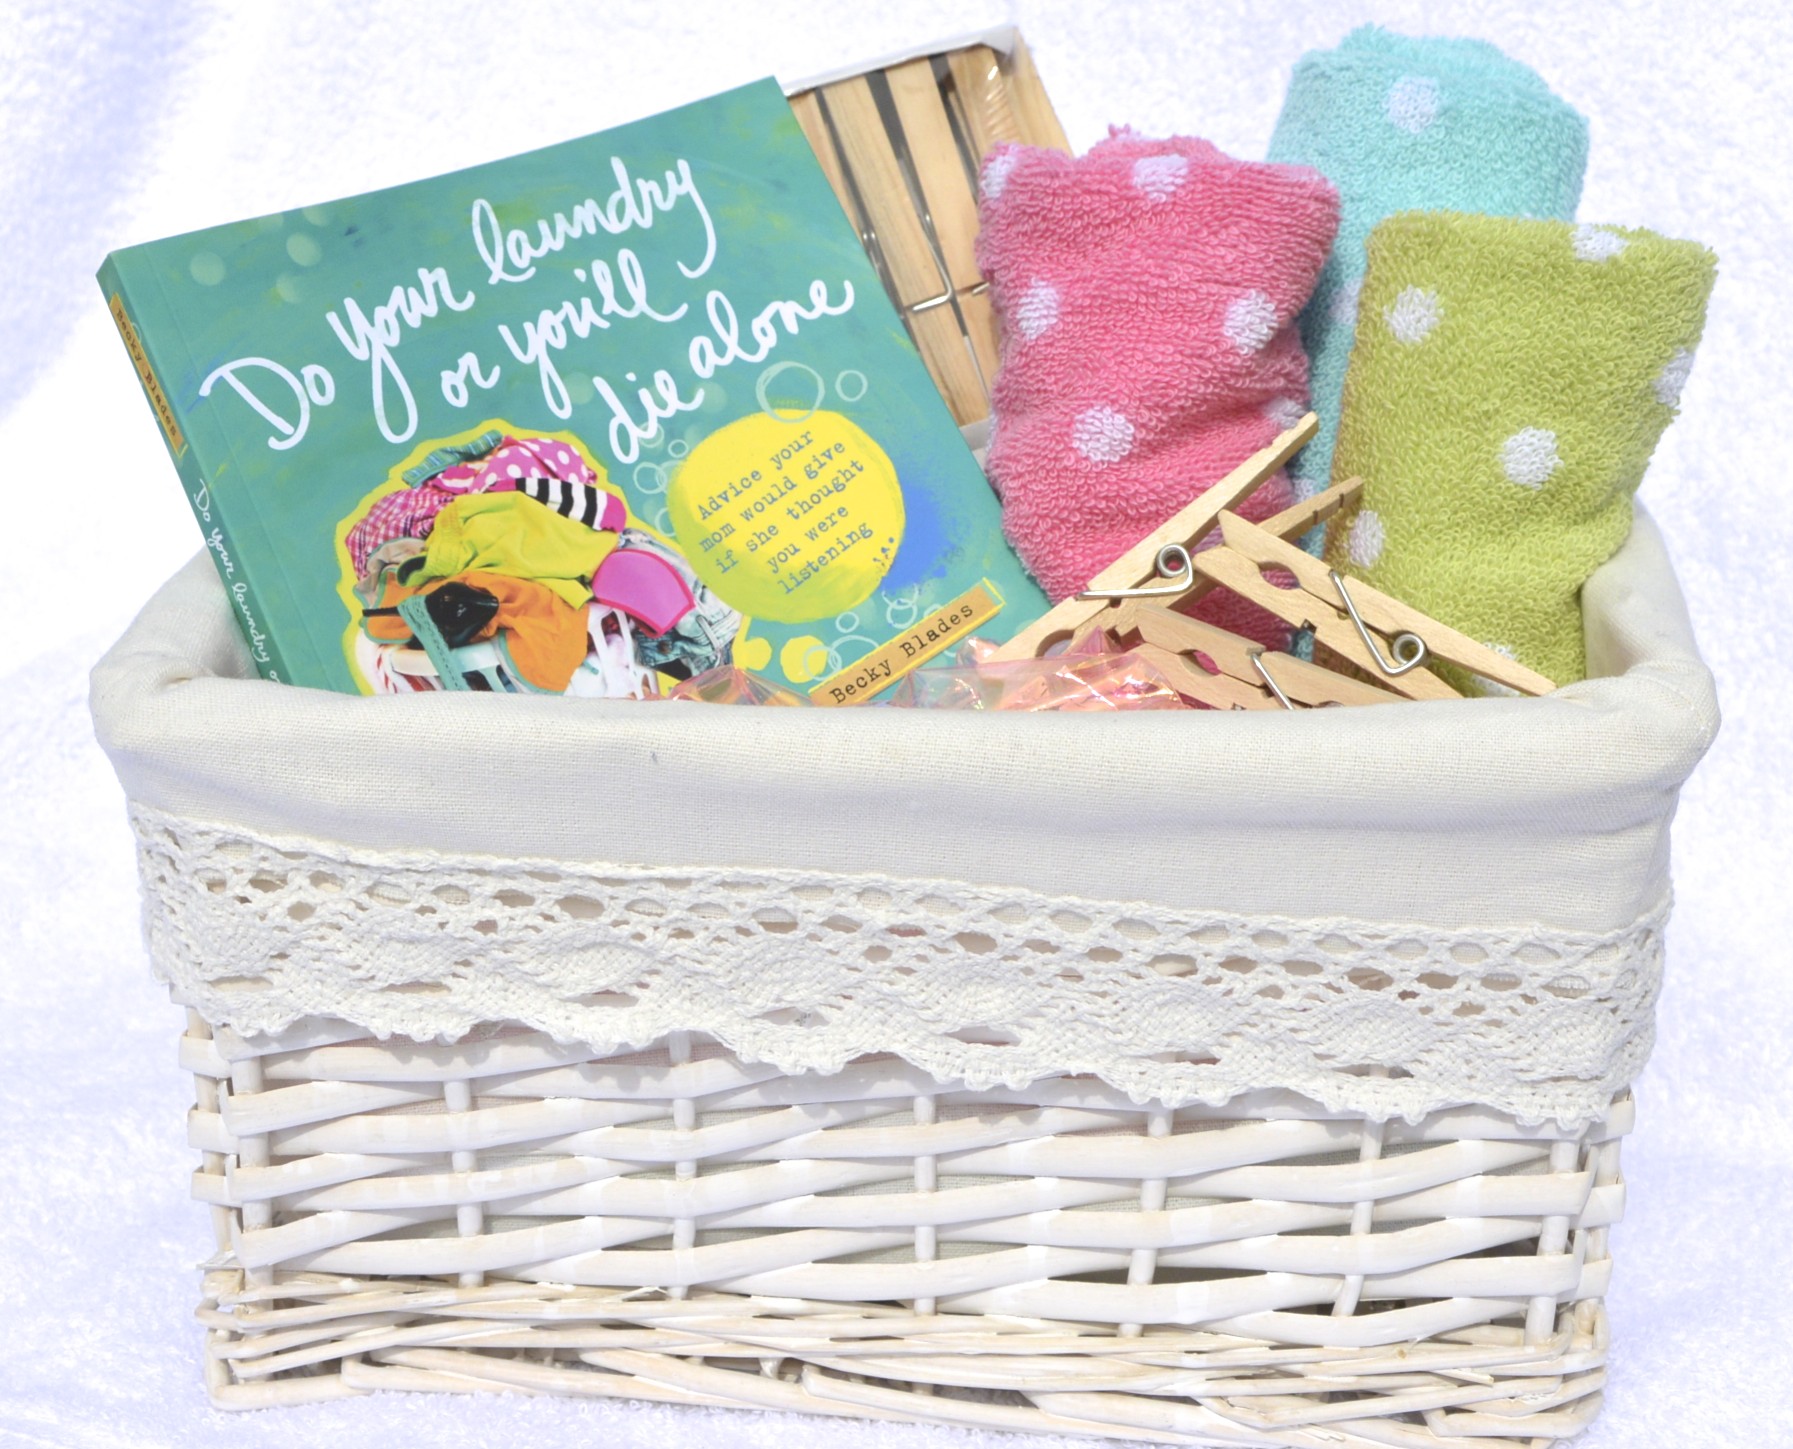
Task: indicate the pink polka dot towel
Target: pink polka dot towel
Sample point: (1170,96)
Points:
(1147,293)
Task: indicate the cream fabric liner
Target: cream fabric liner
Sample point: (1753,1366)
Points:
(1494,813)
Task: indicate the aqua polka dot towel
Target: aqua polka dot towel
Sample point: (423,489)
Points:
(1404,124)
(1508,386)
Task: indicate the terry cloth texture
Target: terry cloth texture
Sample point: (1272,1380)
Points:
(1509,384)
(1147,293)
(1404,124)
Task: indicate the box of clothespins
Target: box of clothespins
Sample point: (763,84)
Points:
(1252,1073)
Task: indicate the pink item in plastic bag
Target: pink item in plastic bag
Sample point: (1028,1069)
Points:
(1089,675)
(730,684)
(1147,293)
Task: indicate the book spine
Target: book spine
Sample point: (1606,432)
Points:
(245,605)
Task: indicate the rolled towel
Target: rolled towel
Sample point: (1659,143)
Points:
(1509,384)
(1147,295)
(1404,124)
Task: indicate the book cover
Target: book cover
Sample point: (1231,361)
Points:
(585,421)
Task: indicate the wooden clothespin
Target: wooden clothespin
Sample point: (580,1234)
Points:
(1390,641)
(1249,677)
(902,147)
(1172,542)
(1294,521)
(898,238)
(1189,677)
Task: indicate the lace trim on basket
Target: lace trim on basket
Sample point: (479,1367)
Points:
(991,986)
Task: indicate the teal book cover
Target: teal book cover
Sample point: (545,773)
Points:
(586,421)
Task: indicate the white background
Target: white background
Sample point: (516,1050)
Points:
(125,123)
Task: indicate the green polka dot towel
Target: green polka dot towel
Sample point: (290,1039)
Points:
(1508,385)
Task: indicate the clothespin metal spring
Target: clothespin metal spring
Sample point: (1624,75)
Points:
(1257,662)
(1174,564)
(1410,649)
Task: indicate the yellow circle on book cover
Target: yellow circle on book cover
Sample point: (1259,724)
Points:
(789,515)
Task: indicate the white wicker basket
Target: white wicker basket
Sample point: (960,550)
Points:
(1191,1079)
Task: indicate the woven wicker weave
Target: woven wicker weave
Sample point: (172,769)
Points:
(514,1214)
(966,1117)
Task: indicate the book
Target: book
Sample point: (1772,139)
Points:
(586,421)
